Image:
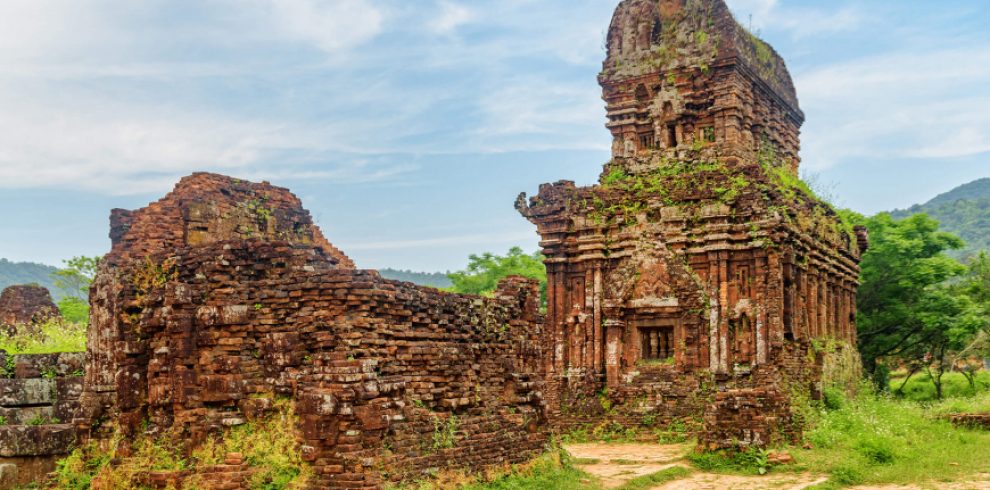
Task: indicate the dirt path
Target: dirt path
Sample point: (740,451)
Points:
(616,464)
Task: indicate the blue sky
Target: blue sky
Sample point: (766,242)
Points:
(409,127)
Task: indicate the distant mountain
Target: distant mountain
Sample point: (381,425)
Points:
(964,211)
(15,273)
(431,279)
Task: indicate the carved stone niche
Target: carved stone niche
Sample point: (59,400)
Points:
(654,340)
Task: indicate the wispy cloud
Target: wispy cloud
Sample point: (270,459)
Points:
(451,16)
(898,105)
(799,22)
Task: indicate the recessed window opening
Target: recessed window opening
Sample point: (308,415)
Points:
(657,343)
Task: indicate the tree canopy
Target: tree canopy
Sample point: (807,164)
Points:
(916,303)
(485,271)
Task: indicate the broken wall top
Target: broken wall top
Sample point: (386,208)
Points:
(207,208)
(26,304)
(662,36)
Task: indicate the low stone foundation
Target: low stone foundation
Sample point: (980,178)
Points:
(39,397)
(972,420)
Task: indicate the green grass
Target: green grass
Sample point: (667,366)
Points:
(49,338)
(976,404)
(656,479)
(552,471)
(880,440)
(954,385)
(752,462)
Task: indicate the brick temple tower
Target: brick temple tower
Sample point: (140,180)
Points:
(698,272)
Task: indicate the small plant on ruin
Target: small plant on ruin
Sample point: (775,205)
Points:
(49,372)
(9,366)
(615,176)
(3,420)
(444,433)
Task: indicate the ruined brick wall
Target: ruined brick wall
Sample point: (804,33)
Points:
(24,305)
(39,398)
(390,380)
(700,265)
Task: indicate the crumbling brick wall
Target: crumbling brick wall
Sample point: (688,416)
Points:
(26,305)
(390,380)
(39,398)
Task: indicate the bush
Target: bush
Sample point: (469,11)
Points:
(74,310)
(834,399)
(50,337)
(750,462)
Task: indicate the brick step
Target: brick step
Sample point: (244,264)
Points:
(25,415)
(36,440)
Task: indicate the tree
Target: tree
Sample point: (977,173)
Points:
(74,280)
(905,310)
(485,271)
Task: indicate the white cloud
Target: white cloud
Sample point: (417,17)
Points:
(900,105)
(799,22)
(451,16)
(330,25)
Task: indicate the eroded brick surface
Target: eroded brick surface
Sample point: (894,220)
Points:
(25,305)
(390,380)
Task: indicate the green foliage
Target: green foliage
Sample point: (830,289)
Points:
(833,399)
(907,308)
(553,471)
(50,337)
(615,176)
(437,280)
(76,472)
(964,211)
(75,277)
(656,479)
(879,440)
(74,310)
(3,420)
(269,446)
(919,388)
(750,462)
(444,433)
(484,271)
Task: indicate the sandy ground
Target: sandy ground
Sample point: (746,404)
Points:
(615,464)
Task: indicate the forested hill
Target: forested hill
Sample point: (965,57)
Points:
(14,273)
(964,211)
(432,279)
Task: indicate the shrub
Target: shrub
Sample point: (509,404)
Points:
(47,338)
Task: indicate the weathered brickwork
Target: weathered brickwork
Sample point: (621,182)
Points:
(694,281)
(39,398)
(25,305)
(195,334)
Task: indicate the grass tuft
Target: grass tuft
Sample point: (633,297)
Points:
(656,479)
